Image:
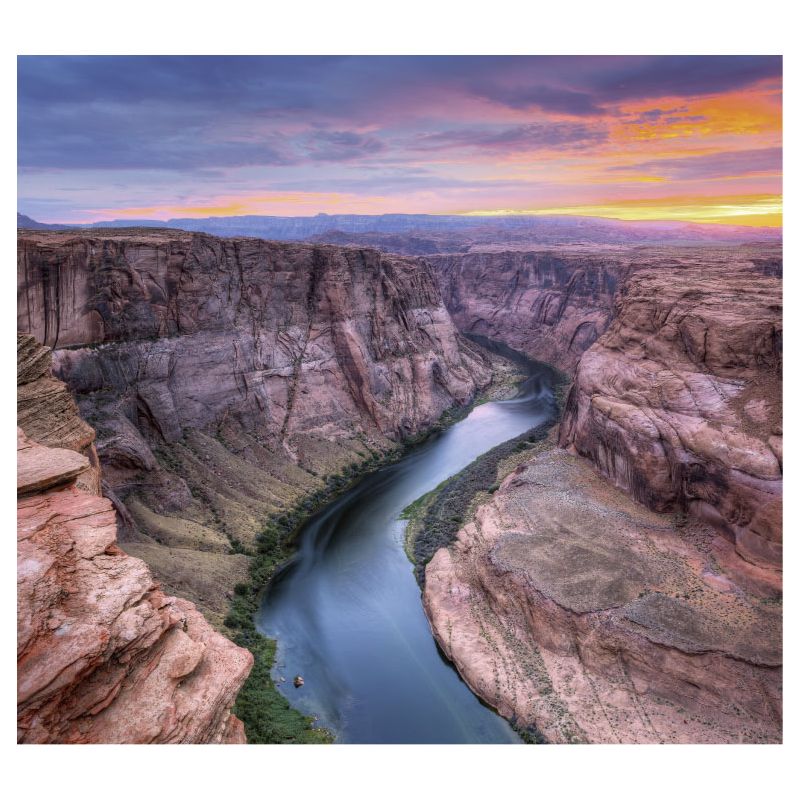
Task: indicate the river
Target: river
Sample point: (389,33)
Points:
(346,610)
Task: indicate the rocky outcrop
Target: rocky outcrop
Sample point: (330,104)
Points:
(553,304)
(679,403)
(584,617)
(226,378)
(103,655)
(46,411)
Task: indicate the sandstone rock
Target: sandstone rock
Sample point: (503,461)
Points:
(227,377)
(549,305)
(577,612)
(103,655)
(552,303)
(678,402)
(40,468)
(46,411)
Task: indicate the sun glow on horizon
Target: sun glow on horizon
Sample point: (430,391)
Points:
(754,211)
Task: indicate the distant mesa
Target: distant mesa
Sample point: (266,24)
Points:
(529,230)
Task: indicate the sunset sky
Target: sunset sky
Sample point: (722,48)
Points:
(689,138)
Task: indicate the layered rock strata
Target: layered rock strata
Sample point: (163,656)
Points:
(226,378)
(103,655)
(550,306)
(679,403)
(553,303)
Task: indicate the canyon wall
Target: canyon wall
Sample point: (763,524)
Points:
(227,378)
(550,306)
(553,304)
(679,403)
(584,617)
(628,587)
(103,654)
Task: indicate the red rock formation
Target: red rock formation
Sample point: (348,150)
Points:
(583,616)
(679,403)
(102,654)
(46,411)
(553,303)
(550,306)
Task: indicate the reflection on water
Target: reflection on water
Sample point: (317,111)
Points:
(347,613)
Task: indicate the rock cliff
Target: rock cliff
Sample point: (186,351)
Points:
(585,615)
(226,378)
(553,304)
(550,306)
(679,403)
(103,654)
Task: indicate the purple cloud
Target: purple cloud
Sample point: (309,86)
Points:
(717,165)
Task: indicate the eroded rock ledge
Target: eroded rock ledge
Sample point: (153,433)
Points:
(103,655)
(579,614)
(553,303)
(679,403)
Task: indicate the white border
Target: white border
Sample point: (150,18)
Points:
(411,27)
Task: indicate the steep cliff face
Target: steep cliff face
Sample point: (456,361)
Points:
(679,403)
(103,654)
(553,304)
(550,306)
(46,411)
(227,377)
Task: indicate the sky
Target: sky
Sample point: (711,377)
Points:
(692,138)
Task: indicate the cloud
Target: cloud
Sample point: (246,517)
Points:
(140,131)
(737,163)
(589,85)
(341,146)
(520,138)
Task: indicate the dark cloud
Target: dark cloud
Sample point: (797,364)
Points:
(180,112)
(587,85)
(637,78)
(547,98)
(341,146)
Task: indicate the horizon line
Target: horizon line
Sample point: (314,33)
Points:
(732,221)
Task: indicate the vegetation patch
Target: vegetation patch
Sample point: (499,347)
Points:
(435,518)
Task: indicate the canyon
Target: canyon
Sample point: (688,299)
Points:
(227,379)
(623,580)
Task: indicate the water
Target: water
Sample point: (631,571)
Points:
(347,612)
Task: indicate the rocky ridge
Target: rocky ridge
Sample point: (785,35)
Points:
(679,403)
(584,617)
